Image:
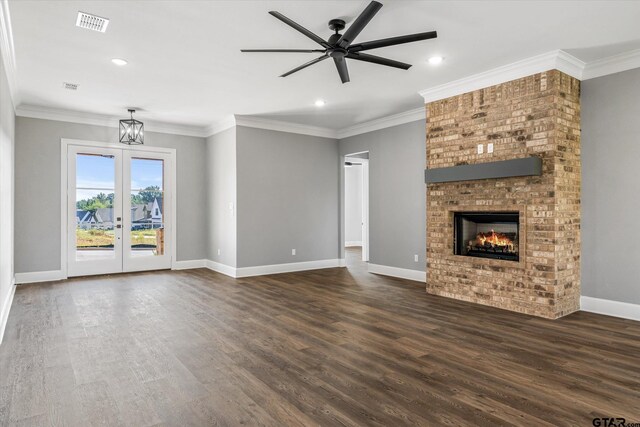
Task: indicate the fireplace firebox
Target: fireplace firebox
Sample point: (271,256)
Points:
(487,235)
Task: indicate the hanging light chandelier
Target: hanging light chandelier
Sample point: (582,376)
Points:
(131,130)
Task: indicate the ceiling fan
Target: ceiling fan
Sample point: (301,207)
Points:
(340,46)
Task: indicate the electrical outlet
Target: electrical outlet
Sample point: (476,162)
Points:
(490,147)
(293,251)
(480,148)
(415,257)
(218,251)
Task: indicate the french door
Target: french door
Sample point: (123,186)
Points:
(118,210)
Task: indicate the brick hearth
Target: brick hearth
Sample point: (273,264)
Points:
(537,115)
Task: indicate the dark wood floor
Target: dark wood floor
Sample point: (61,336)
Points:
(326,347)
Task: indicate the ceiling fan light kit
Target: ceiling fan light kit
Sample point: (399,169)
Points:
(340,47)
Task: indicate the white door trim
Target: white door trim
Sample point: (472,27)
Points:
(365,210)
(65,142)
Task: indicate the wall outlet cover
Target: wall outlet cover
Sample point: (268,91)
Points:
(415,257)
(480,148)
(490,147)
(293,251)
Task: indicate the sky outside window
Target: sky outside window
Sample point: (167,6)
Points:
(98,172)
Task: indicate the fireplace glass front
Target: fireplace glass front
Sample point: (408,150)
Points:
(487,235)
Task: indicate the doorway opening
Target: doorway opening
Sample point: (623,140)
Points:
(356,204)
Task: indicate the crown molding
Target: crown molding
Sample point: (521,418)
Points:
(262,123)
(372,125)
(173,128)
(221,126)
(47,113)
(555,60)
(612,64)
(8,51)
(383,122)
(569,64)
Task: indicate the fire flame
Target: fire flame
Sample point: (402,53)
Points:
(496,239)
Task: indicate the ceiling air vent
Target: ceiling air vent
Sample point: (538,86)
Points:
(92,22)
(70,86)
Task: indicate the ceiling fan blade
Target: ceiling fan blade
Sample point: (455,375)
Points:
(391,41)
(341,65)
(300,28)
(378,60)
(358,25)
(285,50)
(314,61)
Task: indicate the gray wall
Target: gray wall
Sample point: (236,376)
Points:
(221,197)
(611,187)
(287,197)
(37,189)
(7,121)
(397,207)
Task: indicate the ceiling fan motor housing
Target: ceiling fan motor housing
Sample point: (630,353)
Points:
(334,51)
(337,25)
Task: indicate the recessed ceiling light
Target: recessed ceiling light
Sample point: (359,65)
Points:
(119,62)
(435,60)
(320,103)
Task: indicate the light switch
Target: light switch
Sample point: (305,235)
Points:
(415,257)
(490,147)
(480,148)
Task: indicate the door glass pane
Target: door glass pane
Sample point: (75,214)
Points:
(95,183)
(147,207)
(95,172)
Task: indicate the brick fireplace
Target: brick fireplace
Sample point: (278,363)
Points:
(535,116)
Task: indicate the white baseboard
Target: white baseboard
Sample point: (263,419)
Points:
(221,268)
(47,276)
(610,308)
(349,244)
(342,262)
(403,273)
(4,309)
(39,276)
(192,263)
(261,270)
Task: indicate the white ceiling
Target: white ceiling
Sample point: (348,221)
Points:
(185,65)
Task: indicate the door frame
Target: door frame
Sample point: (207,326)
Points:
(366,245)
(64,189)
(365,210)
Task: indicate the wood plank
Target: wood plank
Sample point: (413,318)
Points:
(325,347)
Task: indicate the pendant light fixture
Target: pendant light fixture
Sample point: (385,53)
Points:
(131,130)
